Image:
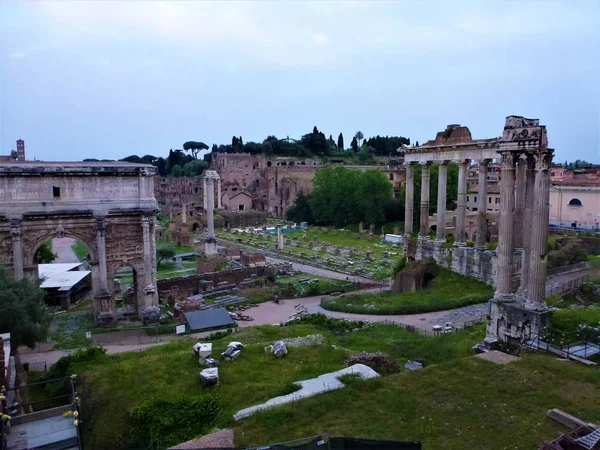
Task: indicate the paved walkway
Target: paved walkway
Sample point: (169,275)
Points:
(63,248)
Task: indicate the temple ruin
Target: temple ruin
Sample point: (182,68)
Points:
(110,207)
(518,268)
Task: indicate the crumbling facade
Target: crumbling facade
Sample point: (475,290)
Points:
(518,310)
(110,207)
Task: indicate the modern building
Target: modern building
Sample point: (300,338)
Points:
(575,206)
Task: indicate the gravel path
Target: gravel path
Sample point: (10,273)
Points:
(63,248)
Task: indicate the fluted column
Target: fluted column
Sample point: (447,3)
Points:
(482,204)
(529,194)
(461,210)
(424,222)
(505,227)
(210,206)
(539,232)
(101,242)
(183,213)
(204,193)
(409,199)
(219,205)
(518,229)
(15,232)
(147,252)
(440,234)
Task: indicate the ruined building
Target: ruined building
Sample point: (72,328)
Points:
(518,268)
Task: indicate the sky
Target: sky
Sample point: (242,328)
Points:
(84,79)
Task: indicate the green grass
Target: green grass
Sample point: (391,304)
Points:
(80,250)
(567,320)
(455,402)
(170,269)
(449,290)
(71,330)
(464,403)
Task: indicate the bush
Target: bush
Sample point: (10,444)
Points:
(572,252)
(400,266)
(164,423)
(491,245)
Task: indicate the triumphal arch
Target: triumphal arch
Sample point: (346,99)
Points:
(517,268)
(110,207)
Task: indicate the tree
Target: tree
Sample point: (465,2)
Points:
(23,313)
(340,143)
(194,168)
(374,193)
(177,171)
(164,252)
(354,145)
(194,147)
(161,165)
(300,211)
(44,254)
(359,137)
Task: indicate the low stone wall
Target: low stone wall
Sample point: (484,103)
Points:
(239,219)
(183,287)
(468,261)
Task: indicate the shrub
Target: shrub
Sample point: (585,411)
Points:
(400,266)
(491,245)
(164,423)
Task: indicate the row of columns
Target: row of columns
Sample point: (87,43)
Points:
(441,202)
(524,208)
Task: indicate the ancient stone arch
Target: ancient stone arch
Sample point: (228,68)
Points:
(110,207)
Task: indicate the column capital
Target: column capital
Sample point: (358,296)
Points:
(484,162)
(101,223)
(443,163)
(425,163)
(464,162)
(543,159)
(145,221)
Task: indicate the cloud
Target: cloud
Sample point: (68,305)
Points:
(17,55)
(320,38)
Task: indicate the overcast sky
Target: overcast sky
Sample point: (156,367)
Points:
(109,79)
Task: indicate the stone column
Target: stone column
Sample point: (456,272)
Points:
(15,232)
(147,254)
(440,234)
(539,232)
(101,242)
(529,193)
(505,226)
(204,193)
(219,205)
(183,213)
(423,226)
(482,204)
(210,206)
(409,199)
(518,229)
(461,210)
(279,238)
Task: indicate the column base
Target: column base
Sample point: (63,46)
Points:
(514,324)
(504,297)
(460,244)
(480,247)
(535,306)
(210,247)
(440,241)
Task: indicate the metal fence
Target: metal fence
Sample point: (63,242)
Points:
(567,286)
(566,269)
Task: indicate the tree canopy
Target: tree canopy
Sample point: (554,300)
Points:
(194,147)
(44,254)
(343,196)
(23,313)
(164,252)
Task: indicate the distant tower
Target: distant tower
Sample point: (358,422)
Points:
(20,150)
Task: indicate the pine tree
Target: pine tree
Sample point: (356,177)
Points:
(340,142)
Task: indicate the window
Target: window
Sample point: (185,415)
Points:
(497,200)
(575,202)
(489,199)
(467,198)
(475,199)
(56,191)
(552,174)
(392,177)
(240,207)
(475,208)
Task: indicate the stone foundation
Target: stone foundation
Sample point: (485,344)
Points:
(468,261)
(511,322)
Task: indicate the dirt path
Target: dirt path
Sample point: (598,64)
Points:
(63,248)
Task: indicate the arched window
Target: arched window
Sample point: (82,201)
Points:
(575,202)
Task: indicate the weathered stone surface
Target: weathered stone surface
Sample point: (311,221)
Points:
(414,277)
(279,349)
(151,315)
(210,376)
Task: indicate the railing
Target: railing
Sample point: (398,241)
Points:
(570,268)
(567,286)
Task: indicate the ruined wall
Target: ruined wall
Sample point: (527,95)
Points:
(468,261)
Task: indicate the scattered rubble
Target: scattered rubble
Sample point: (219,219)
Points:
(379,361)
(233,351)
(279,349)
(210,376)
(306,341)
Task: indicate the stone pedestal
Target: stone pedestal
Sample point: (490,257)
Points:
(513,323)
(210,247)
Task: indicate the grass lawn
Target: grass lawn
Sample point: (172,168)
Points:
(80,250)
(455,402)
(449,290)
(71,328)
